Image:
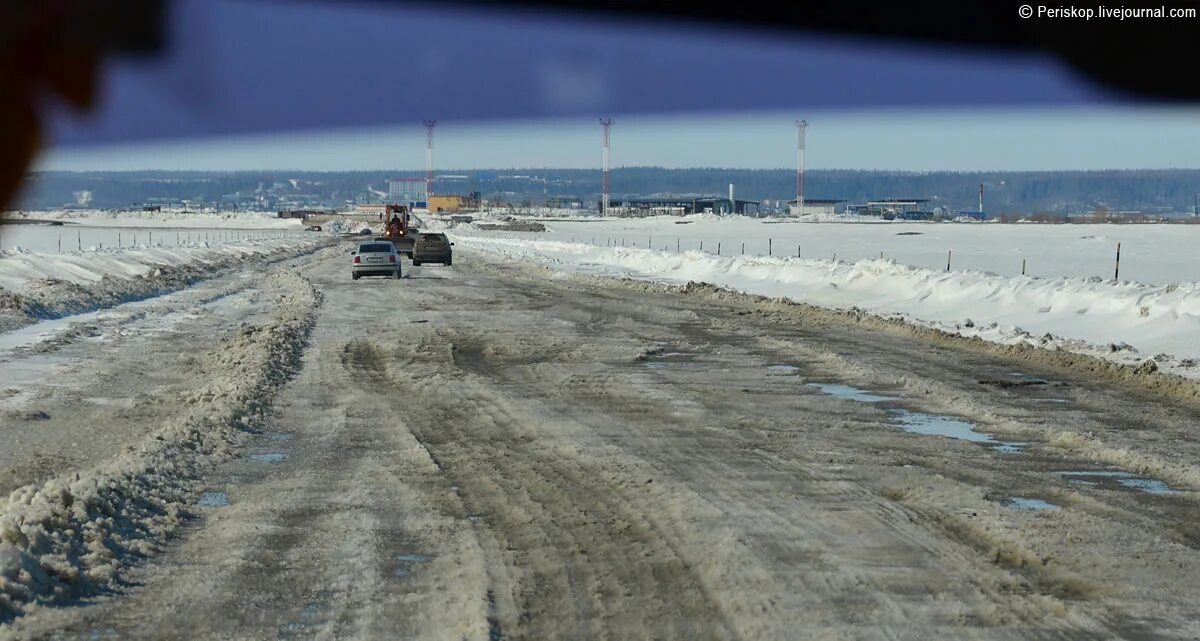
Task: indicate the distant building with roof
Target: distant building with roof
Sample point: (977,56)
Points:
(896,209)
(684,205)
(814,206)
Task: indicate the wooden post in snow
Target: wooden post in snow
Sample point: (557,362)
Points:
(1117,269)
(949,252)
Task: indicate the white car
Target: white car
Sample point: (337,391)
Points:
(376,258)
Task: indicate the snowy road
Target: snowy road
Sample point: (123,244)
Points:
(496,451)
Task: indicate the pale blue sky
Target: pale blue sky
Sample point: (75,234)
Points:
(1100,137)
(525,89)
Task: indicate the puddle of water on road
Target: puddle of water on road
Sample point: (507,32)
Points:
(268,457)
(931,425)
(921,423)
(783,369)
(1101,478)
(660,360)
(1024,503)
(213,499)
(852,393)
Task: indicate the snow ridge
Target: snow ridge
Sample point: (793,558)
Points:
(72,535)
(114,284)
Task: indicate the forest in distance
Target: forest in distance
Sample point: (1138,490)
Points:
(1153,192)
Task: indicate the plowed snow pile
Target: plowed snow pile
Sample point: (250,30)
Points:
(182,220)
(1127,322)
(72,535)
(35,286)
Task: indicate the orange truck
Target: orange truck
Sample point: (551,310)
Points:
(398,229)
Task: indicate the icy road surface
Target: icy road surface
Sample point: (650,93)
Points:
(497,451)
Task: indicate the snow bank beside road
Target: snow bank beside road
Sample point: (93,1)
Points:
(40,285)
(1125,322)
(183,220)
(72,535)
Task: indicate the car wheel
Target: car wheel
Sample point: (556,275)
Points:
(449,261)
(416,263)
(354,276)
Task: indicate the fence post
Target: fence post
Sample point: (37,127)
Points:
(797,251)
(677,244)
(701,244)
(770,251)
(743,248)
(79,240)
(1022,266)
(948,253)
(1117,269)
(718,248)
(60,242)
(119,245)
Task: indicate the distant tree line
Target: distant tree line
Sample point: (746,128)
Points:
(1053,193)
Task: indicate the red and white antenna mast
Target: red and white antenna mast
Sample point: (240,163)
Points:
(800,126)
(429,125)
(607,124)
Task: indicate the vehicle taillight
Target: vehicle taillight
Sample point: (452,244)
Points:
(392,258)
(358,260)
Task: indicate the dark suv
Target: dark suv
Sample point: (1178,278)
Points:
(431,248)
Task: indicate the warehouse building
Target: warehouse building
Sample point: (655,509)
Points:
(447,203)
(684,205)
(814,206)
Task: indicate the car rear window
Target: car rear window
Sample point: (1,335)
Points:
(435,237)
(372,248)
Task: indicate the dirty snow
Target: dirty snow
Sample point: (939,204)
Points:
(36,285)
(172,219)
(72,535)
(1128,322)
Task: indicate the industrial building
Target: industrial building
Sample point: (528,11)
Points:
(684,205)
(409,191)
(896,209)
(439,203)
(564,202)
(814,206)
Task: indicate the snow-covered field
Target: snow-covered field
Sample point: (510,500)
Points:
(51,283)
(164,219)
(92,230)
(1068,300)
